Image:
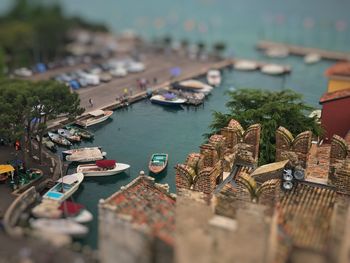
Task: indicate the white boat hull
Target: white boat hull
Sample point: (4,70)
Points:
(89,170)
(83,217)
(55,194)
(60,226)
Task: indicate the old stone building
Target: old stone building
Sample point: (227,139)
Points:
(304,194)
(137,223)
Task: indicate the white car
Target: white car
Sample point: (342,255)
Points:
(118,72)
(135,67)
(23,72)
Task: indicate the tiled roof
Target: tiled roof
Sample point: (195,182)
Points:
(328,96)
(339,69)
(318,161)
(305,215)
(147,204)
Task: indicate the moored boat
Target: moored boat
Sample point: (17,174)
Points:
(312,58)
(65,187)
(272,69)
(81,132)
(47,209)
(102,168)
(87,154)
(94,117)
(68,135)
(245,65)
(61,226)
(158,162)
(214,77)
(167,99)
(75,211)
(56,138)
(193,86)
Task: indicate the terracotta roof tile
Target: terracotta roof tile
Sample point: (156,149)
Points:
(339,69)
(329,96)
(147,204)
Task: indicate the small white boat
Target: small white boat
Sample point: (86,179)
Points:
(61,226)
(76,212)
(312,58)
(277,52)
(102,168)
(47,209)
(194,86)
(214,77)
(65,187)
(272,69)
(79,150)
(168,99)
(59,139)
(85,155)
(245,65)
(68,135)
(94,117)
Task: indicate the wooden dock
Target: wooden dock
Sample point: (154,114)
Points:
(302,51)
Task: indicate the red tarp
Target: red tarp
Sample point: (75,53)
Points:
(106,163)
(70,208)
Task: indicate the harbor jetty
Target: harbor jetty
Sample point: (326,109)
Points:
(303,51)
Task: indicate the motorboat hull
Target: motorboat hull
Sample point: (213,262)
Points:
(91,170)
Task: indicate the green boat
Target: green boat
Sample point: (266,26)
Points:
(158,162)
(80,132)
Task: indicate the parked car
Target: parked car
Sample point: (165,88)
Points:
(135,67)
(105,77)
(118,72)
(74,84)
(23,72)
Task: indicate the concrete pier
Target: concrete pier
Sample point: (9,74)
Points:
(302,51)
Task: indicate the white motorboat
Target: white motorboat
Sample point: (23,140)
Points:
(65,187)
(59,139)
(68,135)
(85,155)
(80,150)
(76,212)
(94,117)
(272,69)
(194,86)
(167,99)
(312,58)
(60,226)
(102,168)
(214,77)
(245,65)
(277,52)
(47,209)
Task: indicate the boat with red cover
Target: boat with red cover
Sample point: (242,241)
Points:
(103,168)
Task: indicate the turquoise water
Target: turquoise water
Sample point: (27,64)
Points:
(134,134)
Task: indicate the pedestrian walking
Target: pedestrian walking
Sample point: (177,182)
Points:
(91,102)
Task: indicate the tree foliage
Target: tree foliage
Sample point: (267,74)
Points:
(271,109)
(32,32)
(26,107)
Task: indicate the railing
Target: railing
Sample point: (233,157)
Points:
(13,213)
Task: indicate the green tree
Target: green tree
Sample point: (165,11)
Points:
(271,109)
(26,107)
(2,62)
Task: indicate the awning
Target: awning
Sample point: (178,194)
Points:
(5,168)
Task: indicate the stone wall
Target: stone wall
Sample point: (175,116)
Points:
(287,145)
(120,241)
(203,171)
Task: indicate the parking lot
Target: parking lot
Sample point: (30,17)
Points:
(157,66)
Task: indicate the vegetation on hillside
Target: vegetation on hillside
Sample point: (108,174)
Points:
(32,32)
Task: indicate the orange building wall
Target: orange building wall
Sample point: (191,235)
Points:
(338,84)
